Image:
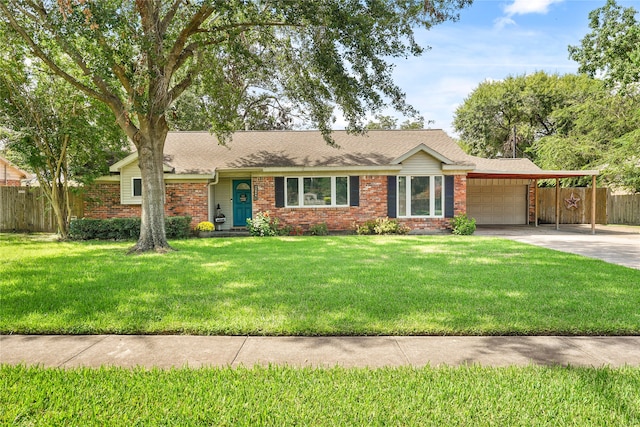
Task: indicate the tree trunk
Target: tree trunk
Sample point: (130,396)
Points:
(150,146)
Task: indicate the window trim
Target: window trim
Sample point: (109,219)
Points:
(133,187)
(432,200)
(301,204)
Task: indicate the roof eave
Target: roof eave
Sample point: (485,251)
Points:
(533,174)
(372,168)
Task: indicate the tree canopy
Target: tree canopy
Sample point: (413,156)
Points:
(559,122)
(139,57)
(612,49)
(382,122)
(53,130)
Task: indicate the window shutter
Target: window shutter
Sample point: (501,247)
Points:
(279,184)
(448,196)
(354,191)
(391,196)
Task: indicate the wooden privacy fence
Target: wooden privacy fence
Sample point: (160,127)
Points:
(623,209)
(575,206)
(27,209)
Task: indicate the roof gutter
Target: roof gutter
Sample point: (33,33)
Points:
(216,177)
(539,174)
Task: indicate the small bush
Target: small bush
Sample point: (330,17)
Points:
(382,226)
(204,226)
(177,227)
(462,225)
(319,229)
(263,225)
(290,230)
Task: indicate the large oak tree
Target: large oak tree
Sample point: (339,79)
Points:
(138,57)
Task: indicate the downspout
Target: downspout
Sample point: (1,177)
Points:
(216,177)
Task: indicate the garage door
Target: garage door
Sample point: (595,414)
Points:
(497,204)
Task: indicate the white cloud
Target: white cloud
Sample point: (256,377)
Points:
(503,21)
(523,7)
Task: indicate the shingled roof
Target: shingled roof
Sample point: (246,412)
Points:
(200,152)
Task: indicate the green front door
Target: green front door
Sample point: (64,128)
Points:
(241,202)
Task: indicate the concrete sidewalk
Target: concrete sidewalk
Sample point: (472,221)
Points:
(165,351)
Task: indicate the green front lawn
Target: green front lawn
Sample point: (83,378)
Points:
(339,285)
(279,396)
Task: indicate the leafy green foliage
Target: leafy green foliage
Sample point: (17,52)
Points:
(53,130)
(388,122)
(320,229)
(559,122)
(177,227)
(140,57)
(517,111)
(462,225)
(381,226)
(612,48)
(263,225)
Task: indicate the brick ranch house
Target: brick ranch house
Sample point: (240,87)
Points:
(421,177)
(11,175)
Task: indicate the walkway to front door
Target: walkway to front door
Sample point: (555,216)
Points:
(241,202)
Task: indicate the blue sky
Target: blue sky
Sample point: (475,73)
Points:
(492,40)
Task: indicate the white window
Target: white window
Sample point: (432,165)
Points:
(317,191)
(136,187)
(421,196)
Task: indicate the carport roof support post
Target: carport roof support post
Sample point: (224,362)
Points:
(557,203)
(593,204)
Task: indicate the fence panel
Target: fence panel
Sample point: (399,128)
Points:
(575,205)
(27,209)
(624,209)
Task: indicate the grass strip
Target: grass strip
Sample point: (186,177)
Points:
(337,285)
(514,396)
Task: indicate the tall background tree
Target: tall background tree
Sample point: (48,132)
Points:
(612,49)
(504,118)
(585,121)
(559,122)
(139,58)
(62,135)
(382,122)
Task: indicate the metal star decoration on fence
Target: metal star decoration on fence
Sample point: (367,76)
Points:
(572,201)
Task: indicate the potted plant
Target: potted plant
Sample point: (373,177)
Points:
(204,229)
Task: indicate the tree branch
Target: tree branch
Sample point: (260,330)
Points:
(164,24)
(46,59)
(173,59)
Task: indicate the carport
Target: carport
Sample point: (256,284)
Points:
(533,177)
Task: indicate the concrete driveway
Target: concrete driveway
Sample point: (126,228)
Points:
(611,243)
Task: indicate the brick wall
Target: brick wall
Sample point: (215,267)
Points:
(373,204)
(532,203)
(10,183)
(103,201)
